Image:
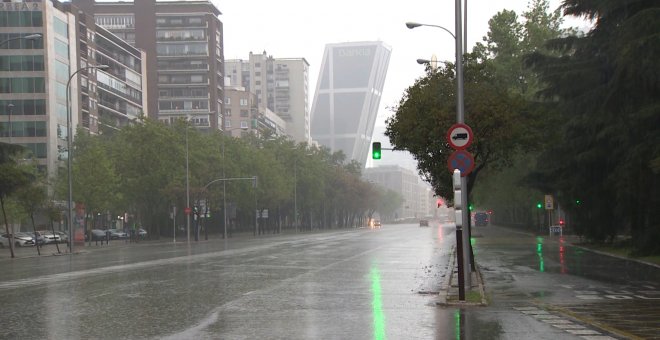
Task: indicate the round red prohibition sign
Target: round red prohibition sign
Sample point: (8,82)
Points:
(459,136)
(461,160)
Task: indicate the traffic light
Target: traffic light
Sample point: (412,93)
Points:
(375,153)
(471,207)
(539,205)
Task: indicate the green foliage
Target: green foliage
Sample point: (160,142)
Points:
(141,170)
(605,85)
(427,110)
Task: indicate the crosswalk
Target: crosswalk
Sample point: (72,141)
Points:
(563,323)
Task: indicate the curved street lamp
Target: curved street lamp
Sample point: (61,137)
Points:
(460,118)
(224,183)
(70,150)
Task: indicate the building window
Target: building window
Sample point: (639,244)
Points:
(227,112)
(227,124)
(228,101)
(243,102)
(244,124)
(244,113)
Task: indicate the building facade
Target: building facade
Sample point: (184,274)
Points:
(348,95)
(417,195)
(243,115)
(183,41)
(34,74)
(280,86)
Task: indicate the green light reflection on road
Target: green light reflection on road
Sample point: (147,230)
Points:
(457,324)
(539,252)
(377,305)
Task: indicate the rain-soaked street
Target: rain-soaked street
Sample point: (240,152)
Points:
(347,284)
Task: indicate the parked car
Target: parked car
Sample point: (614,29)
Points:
(20,240)
(423,223)
(97,235)
(116,234)
(64,237)
(49,237)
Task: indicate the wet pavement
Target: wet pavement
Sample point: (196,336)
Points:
(345,284)
(579,291)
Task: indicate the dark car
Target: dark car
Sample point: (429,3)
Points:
(481,219)
(423,223)
(97,235)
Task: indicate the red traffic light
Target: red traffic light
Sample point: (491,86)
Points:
(561,221)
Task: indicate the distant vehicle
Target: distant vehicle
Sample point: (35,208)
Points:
(423,223)
(373,223)
(481,219)
(142,233)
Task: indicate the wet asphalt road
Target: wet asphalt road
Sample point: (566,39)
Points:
(348,284)
(355,284)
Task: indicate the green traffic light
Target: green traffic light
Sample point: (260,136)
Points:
(376,150)
(539,205)
(471,207)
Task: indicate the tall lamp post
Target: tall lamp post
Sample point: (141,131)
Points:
(224,183)
(10,109)
(69,147)
(460,118)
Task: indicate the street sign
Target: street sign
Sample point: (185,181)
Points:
(459,136)
(187,210)
(549,202)
(461,160)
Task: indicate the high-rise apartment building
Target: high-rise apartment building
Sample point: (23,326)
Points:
(280,85)
(347,96)
(42,45)
(185,59)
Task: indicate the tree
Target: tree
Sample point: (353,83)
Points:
(427,110)
(96,182)
(510,38)
(12,178)
(605,85)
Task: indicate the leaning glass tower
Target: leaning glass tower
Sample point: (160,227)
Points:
(348,95)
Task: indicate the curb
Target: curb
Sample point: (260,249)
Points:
(445,300)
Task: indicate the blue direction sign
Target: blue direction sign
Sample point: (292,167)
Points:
(461,160)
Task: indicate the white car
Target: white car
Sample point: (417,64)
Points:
(20,240)
(50,237)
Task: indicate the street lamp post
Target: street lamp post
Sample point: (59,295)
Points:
(70,149)
(187,210)
(224,184)
(10,109)
(460,118)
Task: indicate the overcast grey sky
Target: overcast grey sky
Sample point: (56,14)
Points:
(297,28)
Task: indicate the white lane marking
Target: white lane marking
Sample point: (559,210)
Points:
(569,326)
(582,332)
(589,297)
(597,337)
